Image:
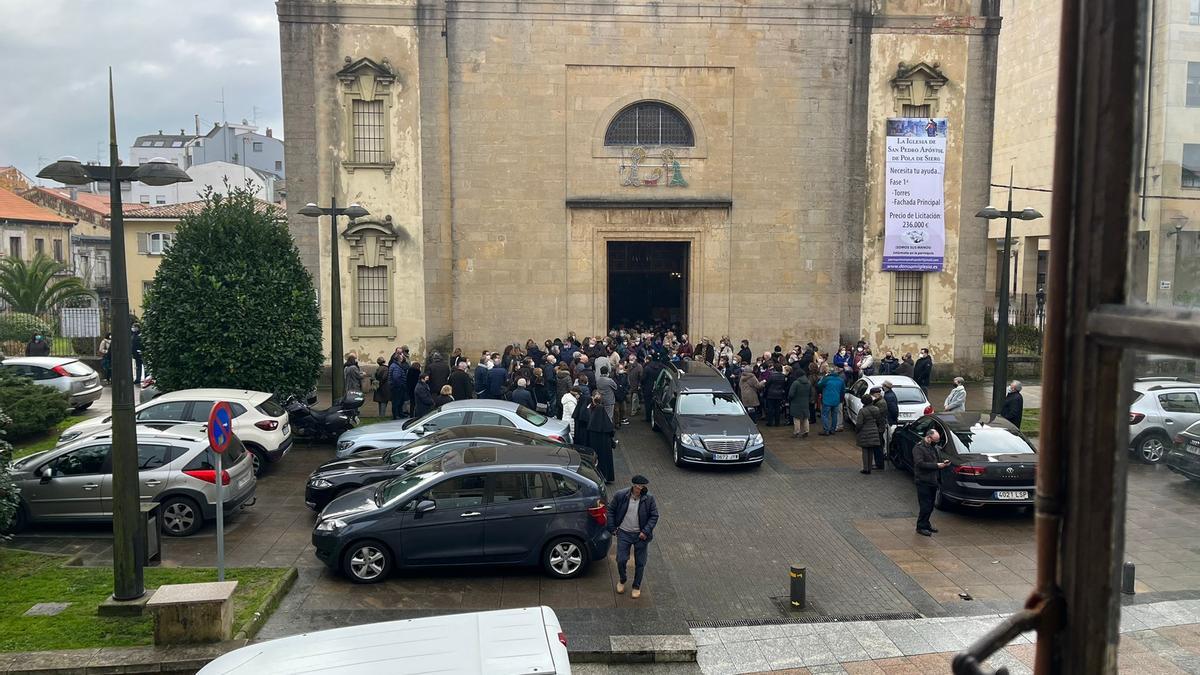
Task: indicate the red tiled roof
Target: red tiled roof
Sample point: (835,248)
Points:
(172,211)
(90,200)
(14,207)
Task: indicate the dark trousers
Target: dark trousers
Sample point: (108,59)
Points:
(872,455)
(641,553)
(647,402)
(812,413)
(773,412)
(397,407)
(137,367)
(925,495)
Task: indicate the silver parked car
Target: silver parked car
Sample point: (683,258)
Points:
(70,376)
(73,482)
(453,414)
(1162,407)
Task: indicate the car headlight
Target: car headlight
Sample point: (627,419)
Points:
(331,525)
(320,483)
(690,439)
(755,439)
(342,445)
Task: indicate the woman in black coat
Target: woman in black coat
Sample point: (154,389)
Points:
(582,417)
(383,388)
(600,437)
(422,397)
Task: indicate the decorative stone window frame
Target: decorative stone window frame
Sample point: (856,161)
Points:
(372,243)
(895,329)
(367,80)
(689,112)
(917,84)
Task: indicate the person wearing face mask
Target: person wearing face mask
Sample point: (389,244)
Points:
(38,346)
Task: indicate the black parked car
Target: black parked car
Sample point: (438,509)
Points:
(703,418)
(991,462)
(1184,457)
(509,504)
(339,476)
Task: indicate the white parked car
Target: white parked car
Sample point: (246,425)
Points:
(909,395)
(260,423)
(70,376)
(526,641)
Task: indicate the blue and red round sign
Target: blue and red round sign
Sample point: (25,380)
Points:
(220,427)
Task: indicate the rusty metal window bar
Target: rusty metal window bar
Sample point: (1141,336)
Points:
(372,296)
(367,128)
(909,291)
(650,123)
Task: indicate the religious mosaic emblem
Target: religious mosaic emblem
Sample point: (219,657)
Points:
(641,169)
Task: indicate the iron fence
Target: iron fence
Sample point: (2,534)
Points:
(17,330)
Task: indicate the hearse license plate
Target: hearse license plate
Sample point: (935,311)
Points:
(725,457)
(1193,447)
(1012,494)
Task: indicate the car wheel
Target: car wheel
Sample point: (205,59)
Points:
(367,562)
(564,558)
(85,406)
(676,454)
(181,516)
(847,419)
(654,420)
(260,462)
(1152,449)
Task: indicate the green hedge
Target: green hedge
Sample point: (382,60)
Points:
(31,408)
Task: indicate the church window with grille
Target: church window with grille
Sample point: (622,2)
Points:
(650,123)
(372,296)
(908,298)
(367,128)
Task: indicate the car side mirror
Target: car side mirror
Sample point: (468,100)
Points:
(410,465)
(420,431)
(46,473)
(426,506)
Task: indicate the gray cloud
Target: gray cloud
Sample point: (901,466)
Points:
(170,60)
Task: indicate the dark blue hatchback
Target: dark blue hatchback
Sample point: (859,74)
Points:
(504,505)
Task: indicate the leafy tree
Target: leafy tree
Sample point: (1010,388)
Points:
(232,305)
(31,408)
(38,286)
(9,492)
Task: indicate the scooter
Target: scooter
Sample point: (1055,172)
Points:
(326,424)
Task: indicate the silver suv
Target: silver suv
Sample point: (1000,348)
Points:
(1162,408)
(73,482)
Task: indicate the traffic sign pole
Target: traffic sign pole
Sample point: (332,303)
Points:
(220,435)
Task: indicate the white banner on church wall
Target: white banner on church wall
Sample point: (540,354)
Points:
(914,200)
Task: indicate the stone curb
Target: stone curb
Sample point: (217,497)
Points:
(641,649)
(114,660)
(281,588)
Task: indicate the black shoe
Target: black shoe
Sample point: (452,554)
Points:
(925,533)
(866,471)
(933,529)
(879,468)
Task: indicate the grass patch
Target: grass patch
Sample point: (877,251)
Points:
(1031,421)
(45,441)
(31,578)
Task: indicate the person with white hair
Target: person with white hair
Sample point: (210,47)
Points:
(956,400)
(521,395)
(1013,408)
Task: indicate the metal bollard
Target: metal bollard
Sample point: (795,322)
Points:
(1127,572)
(798,575)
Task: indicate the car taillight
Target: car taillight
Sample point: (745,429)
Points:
(969,470)
(1134,418)
(555,438)
(267,425)
(599,513)
(209,475)
(1179,439)
(928,410)
(60,371)
(562,637)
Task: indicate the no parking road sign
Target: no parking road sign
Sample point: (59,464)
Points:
(220,435)
(220,427)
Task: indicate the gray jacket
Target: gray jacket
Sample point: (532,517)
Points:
(925,464)
(956,399)
(353,378)
(608,390)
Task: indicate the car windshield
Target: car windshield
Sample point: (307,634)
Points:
(981,439)
(406,452)
(909,395)
(709,404)
(534,418)
(397,487)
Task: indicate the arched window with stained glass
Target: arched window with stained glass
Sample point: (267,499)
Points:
(650,123)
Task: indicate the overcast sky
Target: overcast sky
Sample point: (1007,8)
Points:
(170,60)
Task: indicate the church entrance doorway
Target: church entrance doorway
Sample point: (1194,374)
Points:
(647,283)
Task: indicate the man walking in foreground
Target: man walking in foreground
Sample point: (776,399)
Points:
(925,474)
(632,515)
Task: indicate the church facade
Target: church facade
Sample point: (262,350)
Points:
(534,168)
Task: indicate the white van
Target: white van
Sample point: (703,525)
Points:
(503,642)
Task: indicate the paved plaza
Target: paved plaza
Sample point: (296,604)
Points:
(720,559)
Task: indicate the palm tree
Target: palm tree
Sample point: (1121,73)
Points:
(38,286)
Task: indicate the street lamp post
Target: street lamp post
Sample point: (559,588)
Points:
(335,283)
(1000,377)
(128,548)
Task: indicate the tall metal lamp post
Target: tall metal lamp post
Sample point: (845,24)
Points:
(128,548)
(1000,377)
(335,283)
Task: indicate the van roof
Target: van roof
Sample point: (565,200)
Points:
(504,641)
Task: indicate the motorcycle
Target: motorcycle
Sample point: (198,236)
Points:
(325,424)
